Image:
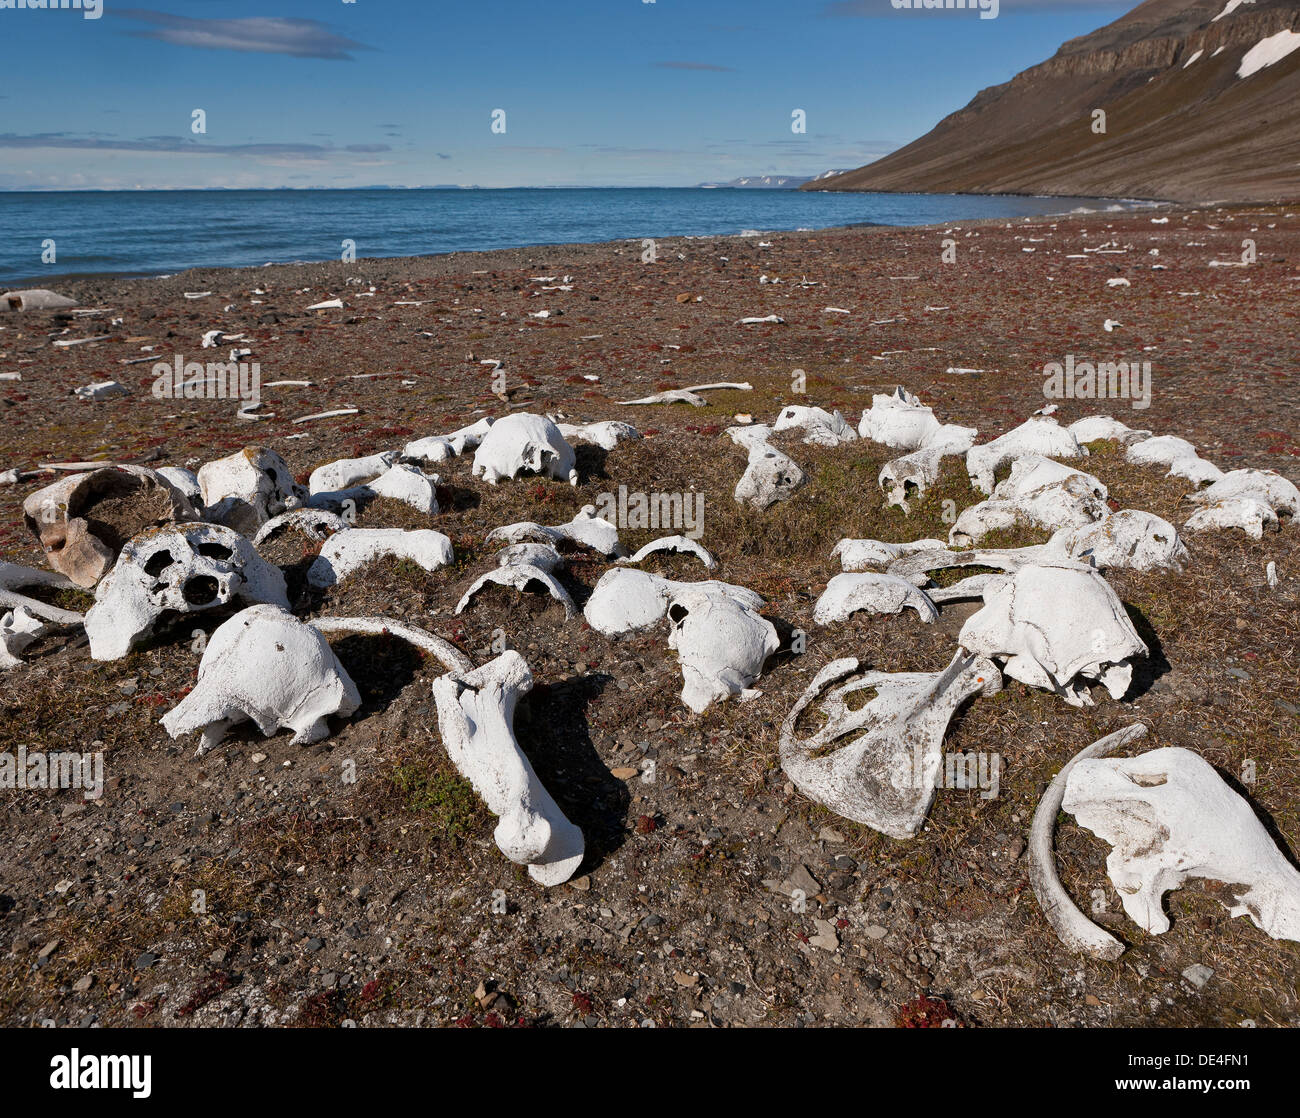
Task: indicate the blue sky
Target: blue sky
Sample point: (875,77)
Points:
(328,93)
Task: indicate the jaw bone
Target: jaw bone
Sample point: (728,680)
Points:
(476,719)
(884,778)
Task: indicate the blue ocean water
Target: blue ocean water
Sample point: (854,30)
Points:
(158,232)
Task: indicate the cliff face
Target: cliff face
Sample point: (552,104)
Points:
(1180,123)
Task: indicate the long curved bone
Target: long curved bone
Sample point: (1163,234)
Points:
(1075,930)
(14,576)
(451,657)
(586,529)
(884,778)
(476,720)
(345,552)
(680,545)
(871,592)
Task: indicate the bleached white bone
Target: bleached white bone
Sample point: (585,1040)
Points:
(346,472)
(674,544)
(317,524)
(1267,486)
(1178,454)
(625,600)
(524,567)
(14,577)
(1039,434)
(770,476)
(102,390)
(586,529)
(524,443)
(1129,540)
(1247,513)
(821,428)
(606,434)
(185,568)
(348,551)
(886,777)
(688,395)
(34,299)
(476,720)
(439,448)
(19,628)
(245,489)
(1055,625)
(446,653)
(862,555)
(1104,428)
(186,482)
(265,666)
(721,645)
(871,592)
(1039,492)
(916,566)
(1169,816)
(1072,927)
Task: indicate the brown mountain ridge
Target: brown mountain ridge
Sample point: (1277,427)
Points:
(1180,124)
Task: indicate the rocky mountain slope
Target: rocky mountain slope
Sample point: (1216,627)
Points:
(1201,102)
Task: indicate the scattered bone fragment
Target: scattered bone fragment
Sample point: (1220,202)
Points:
(885,777)
(14,578)
(1252,516)
(863,555)
(1178,454)
(102,390)
(522,443)
(679,545)
(528,568)
(1129,539)
(721,645)
(184,568)
(347,472)
(476,720)
(19,628)
(1267,486)
(246,489)
(345,552)
(625,600)
(1270,574)
(586,529)
(1057,626)
(440,448)
(770,475)
(1104,428)
(1072,927)
(327,305)
(690,395)
(1039,492)
(820,427)
(1038,435)
(335,414)
(82,521)
(265,666)
(185,481)
(870,592)
(316,524)
(1169,817)
(35,299)
(606,434)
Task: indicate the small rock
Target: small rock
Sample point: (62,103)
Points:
(1197,975)
(825,938)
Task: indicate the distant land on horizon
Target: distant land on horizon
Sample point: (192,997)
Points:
(1201,101)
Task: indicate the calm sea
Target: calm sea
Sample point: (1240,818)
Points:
(158,232)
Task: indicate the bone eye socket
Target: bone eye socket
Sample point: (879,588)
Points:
(214,551)
(158,562)
(201,591)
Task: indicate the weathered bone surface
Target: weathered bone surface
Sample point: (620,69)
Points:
(1178,454)
(346,552)
(884,777)
(265,666)
(863,555)
(451,657)
(101,390)
(82,521)
(476,719)
(440,448)
(347,472)
(625,600)
(1040,492)
(586,528)
(14,577)
(244,490)
(316,524)
(910,475)
(1072,927)
(1129,539)
(19,628)
(406,483)
(1267,486)
(527,567)
(1039,434)
(1250,515)
(1099,428)
(184,481)
(1169,816)
(187,568)
(769,477)
(721,645)
(916,566)
(900,420)
(870,592)
(524,444)
(35,299)
(689,395)
(820,427)
(679,545)
(1055,626)
(606,434)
